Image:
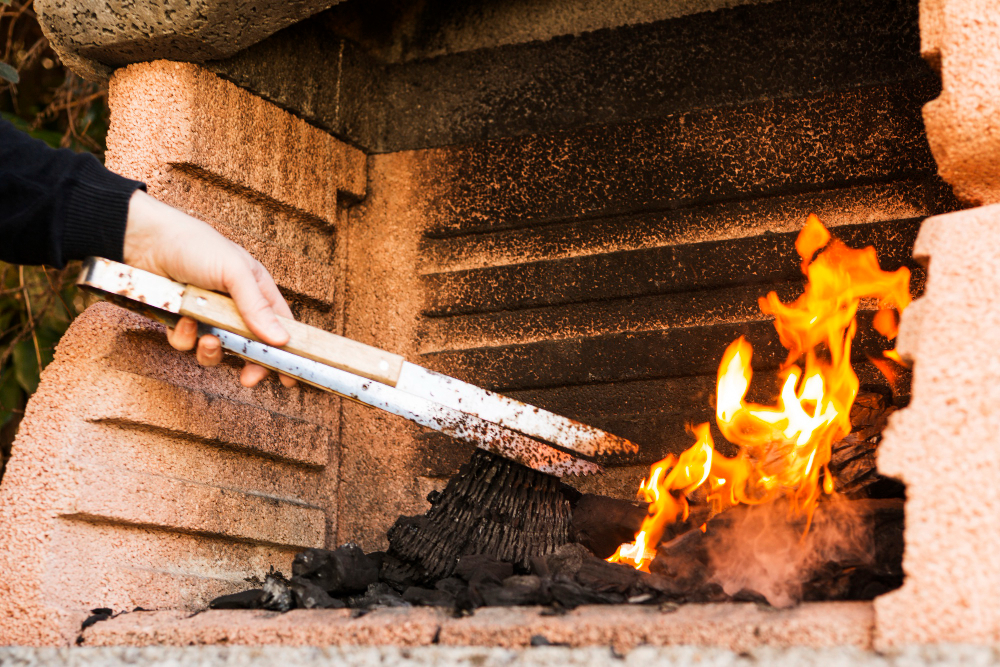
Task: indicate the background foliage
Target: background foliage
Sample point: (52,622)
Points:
(43,98)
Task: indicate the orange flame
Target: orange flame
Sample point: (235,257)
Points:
(783,449)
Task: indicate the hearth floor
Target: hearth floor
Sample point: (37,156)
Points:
(456,656)
(731,626)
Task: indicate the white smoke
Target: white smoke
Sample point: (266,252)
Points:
(759,548)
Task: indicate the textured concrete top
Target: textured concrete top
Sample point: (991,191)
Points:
(91,35)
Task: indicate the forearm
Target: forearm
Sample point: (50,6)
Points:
(56,205)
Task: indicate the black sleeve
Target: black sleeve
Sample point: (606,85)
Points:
(57,205)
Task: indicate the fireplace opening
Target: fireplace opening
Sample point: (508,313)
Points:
(798,513)
(572,205)
(595,247)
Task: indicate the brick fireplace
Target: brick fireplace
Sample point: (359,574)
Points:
(569,203)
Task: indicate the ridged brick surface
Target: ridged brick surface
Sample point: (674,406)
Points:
(139,478)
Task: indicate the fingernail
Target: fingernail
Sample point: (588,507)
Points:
(277,331)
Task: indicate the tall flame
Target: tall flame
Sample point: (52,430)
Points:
(783,449)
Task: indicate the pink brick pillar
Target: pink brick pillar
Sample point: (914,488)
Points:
(961,39)
(946,445)
(139,478)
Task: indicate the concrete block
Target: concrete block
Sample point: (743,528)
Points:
(738,627)
(92,35)
(305,627)
(960,39)
(133,502)
(139,478)
(946,445)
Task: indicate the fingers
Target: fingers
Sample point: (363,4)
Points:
(241,282)
(183,336)
(270,291)
(209,351)
(168,242)
(252,374)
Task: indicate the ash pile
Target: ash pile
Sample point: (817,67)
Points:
(501,534)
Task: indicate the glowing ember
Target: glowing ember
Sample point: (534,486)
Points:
(784,449)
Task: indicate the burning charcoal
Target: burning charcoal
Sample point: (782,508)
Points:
(343,571)
(852,461)
(478,568)
(276,595)
(310,596)
(683,561)
(601,523)
(250,599)
(378,595)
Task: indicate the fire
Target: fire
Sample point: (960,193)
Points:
(783,449)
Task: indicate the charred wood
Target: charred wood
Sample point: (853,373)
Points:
(492,506)
(852,461)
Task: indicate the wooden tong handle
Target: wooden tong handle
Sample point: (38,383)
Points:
(306,341)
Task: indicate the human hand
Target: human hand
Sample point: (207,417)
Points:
(167,242)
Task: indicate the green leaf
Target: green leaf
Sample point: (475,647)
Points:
(26,365)
(9,73)
(50,137)
(10,396)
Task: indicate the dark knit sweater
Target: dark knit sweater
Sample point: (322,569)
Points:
(57,205)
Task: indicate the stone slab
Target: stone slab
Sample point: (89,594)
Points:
(91,36)
(305,627)
(736,627)
(452,656)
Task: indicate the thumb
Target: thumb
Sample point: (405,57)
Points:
(254,307)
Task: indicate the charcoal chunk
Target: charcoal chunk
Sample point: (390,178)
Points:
(378,595)
(451,585)
(276,595)
(308,595)
(570,595)
(477,568)
(748,595)
(344,571)
(521,590)
(96,616)
(600,575)
(428,597)
(567,559)
(250,599)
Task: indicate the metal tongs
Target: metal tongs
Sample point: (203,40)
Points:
(523,433)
